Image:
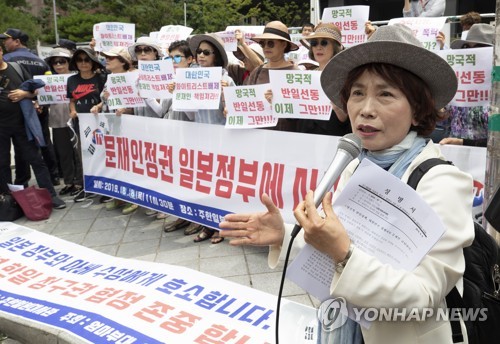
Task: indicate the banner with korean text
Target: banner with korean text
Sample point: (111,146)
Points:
(473,68)
(197,88)
(350,20)
(54,91)
(247,107)
(110,34)
(424,28)
(200,172)
(298,94)
(97,298)
(154,78)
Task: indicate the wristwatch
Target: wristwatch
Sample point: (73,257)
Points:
(339,267)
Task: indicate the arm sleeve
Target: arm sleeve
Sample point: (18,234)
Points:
(448,191)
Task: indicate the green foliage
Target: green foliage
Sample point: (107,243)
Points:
(213,15)
(291,13)
(78,26)
(76,18)
(14,17)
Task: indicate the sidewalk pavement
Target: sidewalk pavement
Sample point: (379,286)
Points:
(137,236)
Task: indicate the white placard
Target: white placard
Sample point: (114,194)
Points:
(350,20)
(197,88)
(123,91)
(298,94)
(55,89)
(154,78)
(247,107)
(109,34)
(425,29)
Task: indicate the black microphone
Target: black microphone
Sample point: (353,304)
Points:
(348,149)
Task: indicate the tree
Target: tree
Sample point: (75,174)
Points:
(16,17)
(291,13)
(79,25)
(213,15)
(148,15)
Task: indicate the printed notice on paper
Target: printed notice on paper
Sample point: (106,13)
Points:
(384,217)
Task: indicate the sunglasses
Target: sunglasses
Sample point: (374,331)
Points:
(205,52)
(315,42)
(110,57)
(59,61)
(144,50)
(176,58)
(82,60)
(269,43)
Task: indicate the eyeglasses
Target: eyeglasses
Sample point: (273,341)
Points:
(269,43)
(143,50)
(82,60)
(315,42)
(59,61)
(107,57)
(205,52)
(176,58)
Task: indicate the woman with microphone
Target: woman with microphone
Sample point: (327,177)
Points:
(391,88)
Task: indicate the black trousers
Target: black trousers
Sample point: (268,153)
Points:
(23,173)
(30,153)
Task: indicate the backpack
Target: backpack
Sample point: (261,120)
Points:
(481,280)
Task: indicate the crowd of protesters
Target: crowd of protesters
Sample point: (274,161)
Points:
(59,158)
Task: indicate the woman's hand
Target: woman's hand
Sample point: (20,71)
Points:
(269,96)
(326,234)
(451,141)
(73,114)
(260,229)
(171,87)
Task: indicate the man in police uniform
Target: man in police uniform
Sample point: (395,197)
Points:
(14,41)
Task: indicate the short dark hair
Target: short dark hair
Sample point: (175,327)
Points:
(311,25)
(417,93)
(182,46)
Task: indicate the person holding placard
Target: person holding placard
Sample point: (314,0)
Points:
(324,43)
(275,42)
(392,88)
(84,91)
(182,57)
(58,60)
(250,56)
(118,60)
(210,52)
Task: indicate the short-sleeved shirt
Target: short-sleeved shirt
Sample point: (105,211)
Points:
(85,92)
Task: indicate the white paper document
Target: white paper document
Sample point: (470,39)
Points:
(384,217)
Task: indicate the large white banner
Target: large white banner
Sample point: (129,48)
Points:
(104,299)
(201,172)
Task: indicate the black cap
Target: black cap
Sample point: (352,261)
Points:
(15,34)
(66,43)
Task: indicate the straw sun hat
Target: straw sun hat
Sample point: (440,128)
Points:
(276,30)
(324,30)
(395,45)
(119,51)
